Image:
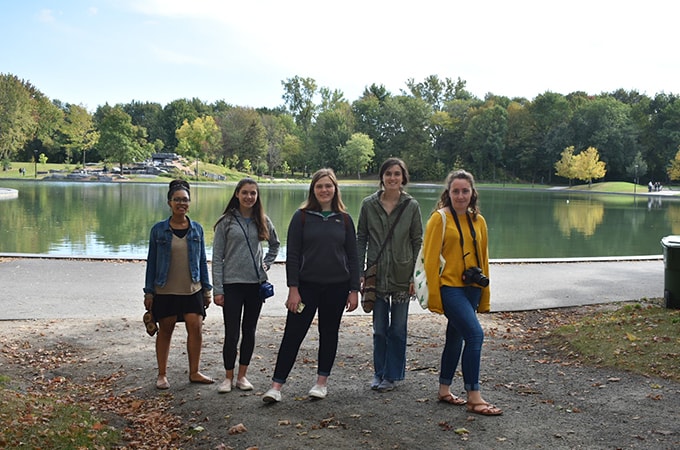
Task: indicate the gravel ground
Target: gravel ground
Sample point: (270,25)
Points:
(549,399)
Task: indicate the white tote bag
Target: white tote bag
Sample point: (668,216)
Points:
(419,277)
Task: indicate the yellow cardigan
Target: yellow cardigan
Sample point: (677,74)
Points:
(453,254)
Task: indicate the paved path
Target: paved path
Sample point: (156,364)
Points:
(53,288)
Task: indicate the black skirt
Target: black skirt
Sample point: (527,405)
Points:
(166,305)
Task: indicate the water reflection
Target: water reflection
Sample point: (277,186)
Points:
(582,216)
(114,219)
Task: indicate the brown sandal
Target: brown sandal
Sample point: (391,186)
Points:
(451,399)
(484,409)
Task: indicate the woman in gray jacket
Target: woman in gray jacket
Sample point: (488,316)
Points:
(390,206)
(238,269)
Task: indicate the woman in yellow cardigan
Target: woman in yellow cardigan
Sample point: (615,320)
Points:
(462,289)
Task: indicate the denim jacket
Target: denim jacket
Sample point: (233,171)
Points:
(158,259)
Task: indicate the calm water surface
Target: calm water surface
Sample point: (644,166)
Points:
(114,219)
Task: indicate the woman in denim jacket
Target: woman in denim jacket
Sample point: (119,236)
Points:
(177,286)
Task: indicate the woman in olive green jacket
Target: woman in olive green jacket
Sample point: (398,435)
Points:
(394,280)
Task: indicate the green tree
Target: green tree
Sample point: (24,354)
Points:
(637,168)
(357,153)
(332,129)
(588,167)
(485,138)
(293,154)
(550,115)
(299,99)
(255,145)
(174,115)
(241,130)
(565,167)
(151,116)
(605,123)
(405,133)
(120,141)
(79,131)
(17,116)
(433,90)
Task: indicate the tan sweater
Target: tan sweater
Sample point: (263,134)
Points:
(179,275)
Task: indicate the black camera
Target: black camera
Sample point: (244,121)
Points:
(475,275)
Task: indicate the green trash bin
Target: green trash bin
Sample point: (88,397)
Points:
(671,276)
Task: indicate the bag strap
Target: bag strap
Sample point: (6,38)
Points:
(252,256)
(391,230)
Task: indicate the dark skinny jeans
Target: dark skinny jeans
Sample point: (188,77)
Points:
(330,300)
(240,298)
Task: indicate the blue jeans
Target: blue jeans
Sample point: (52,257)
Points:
(460,307)
(389,339)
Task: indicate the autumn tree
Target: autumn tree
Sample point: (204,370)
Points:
(198,139)
(565,166)
(587,165)
(674,167)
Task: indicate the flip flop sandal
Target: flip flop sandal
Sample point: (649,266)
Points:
(204,380)
(451,399)
(149,323)
(484,409)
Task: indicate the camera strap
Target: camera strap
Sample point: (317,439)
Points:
(460,233)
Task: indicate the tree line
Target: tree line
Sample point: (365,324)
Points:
(435,124)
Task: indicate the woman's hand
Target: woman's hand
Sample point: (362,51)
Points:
(219,300)
(412,289)
(293,300)
(148,301)
(352,301)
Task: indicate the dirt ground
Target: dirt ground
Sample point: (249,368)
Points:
(549,399)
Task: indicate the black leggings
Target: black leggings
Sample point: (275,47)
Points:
(330,300)
(240,298)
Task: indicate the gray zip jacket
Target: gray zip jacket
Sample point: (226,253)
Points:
(395,266)
(231,260)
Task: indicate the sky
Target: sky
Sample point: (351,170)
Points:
(115,51)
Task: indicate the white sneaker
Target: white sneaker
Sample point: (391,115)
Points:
(225,386)
(272,396)
(244,384)
(318,391)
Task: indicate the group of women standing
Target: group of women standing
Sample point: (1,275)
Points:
(325,270)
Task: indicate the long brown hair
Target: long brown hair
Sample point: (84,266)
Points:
(445,200)
(258,211)
(312,203)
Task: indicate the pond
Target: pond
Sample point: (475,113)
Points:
(114,219)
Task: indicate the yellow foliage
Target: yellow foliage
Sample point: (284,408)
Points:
(587,165)
(674,168)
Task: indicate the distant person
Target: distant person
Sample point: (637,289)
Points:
(322,273)
(390,208)
(650,186)
(238,269)
(463,287)
(177,286)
